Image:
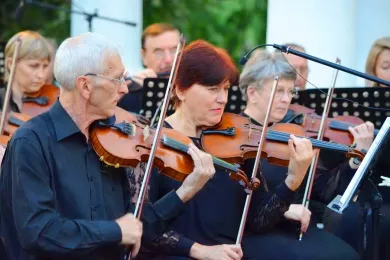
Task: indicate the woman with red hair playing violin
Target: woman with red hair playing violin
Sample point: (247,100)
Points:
(209,226)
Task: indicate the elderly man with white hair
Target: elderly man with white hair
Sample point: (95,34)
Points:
(58,200)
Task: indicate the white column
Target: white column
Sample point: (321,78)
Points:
(373,22)
(330,29)
(129,37)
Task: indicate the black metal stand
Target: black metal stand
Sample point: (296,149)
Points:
(369,195)
(89,17)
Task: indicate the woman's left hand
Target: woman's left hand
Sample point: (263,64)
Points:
(363,136)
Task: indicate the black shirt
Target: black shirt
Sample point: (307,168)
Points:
(12,105)
(58,201)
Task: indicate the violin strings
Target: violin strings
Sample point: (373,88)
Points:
(345,99)
(315,142)
(340,125)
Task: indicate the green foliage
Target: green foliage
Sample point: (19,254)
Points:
(236,25)
(49,23)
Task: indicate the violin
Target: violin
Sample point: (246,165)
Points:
(10,121)
(336,129)
(123,141)
(4,140)
(236,139)
(14,120)
(40,101)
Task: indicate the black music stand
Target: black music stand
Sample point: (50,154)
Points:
(236,101)
(153,94)
(2,60)
(362,185)
(313,98)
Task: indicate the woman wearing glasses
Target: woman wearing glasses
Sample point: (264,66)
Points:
(256,83)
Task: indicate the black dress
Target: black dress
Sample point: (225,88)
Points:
(281,242)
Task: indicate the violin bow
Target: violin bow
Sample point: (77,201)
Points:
(157,136)
(314,161)
(9,85)
(257,163)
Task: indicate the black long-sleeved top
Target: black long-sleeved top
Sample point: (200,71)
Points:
(12,105)
(213,216)
(58,201)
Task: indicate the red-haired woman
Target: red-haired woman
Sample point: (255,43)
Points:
(209,226)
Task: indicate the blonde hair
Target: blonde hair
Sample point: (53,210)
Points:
(33,46)
(378,46)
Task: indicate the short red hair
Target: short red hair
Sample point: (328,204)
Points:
(203,63)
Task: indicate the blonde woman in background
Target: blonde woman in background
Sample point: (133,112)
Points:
(32,67)
(378,61)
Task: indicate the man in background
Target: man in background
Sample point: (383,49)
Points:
(159,43)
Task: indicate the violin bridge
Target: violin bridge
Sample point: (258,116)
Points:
(133,129)
(146,132)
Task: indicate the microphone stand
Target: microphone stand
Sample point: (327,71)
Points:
(89,17)
(287,50)
(369,192)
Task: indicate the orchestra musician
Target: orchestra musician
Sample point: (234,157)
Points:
(378,60)
(353,224)
(31,70)
(256,82)
(209,226)
(59,201)
(159,42)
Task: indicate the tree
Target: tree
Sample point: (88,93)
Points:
(236,25)
(49,23)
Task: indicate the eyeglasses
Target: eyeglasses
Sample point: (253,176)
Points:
(120,81)
(290,93)
(160,53)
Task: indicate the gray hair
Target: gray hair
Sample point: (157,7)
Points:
(263,66)
(82,54)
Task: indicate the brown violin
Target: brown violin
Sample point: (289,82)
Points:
(124,141)
(39,102)
(236,138)
(13,122)
(4,140)
(336,129)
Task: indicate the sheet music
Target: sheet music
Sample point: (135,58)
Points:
(361,171)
